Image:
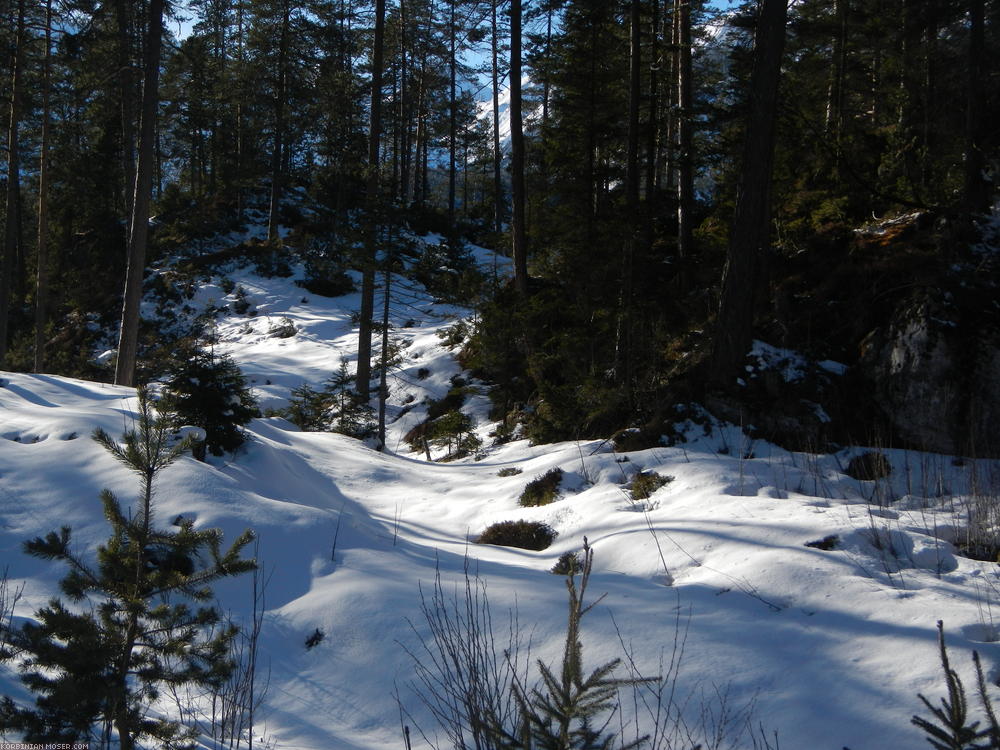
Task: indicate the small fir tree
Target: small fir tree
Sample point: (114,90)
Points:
(210,392)
(352,414)
(572,710)
(454,431)
(99,667)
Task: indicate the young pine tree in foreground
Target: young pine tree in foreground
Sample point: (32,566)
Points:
(97,667)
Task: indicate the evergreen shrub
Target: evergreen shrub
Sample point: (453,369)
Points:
(542,490)
(210,392)
(568,564)
(532,535)
(454,432)
(645,483)
(336,407)
(869,466)
(335,284)
(285,329)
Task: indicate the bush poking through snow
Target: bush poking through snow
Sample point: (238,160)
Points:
(542,490)
(509,471)
(241,305)
(314,639)
(283,330)
(645,483)
(336,285)
(869,467)
(532,535)
(826,544)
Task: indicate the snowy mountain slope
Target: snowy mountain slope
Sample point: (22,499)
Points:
(833,645)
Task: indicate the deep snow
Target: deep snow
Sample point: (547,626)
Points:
(832,646)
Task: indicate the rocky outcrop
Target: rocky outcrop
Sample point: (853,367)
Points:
(934,371)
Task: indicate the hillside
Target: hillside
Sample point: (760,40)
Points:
(828,644)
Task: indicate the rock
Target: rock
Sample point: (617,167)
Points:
(935,374)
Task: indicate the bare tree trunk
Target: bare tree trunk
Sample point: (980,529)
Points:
(519,244)
(452,117)
(139,230)
(240,130)
(13,220)
(652,144)
(127,84)
(371,213)
(497,154)
(833,119)
(383,386)
(624,327)
(976,189)
(42,265)
(748,246)
(685,168)
(273,217)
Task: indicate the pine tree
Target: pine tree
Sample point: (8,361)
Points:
(571,711)
(100,665)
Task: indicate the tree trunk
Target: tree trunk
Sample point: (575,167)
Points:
(685,168)
(833,120)
(383,387)
(404,110)
(452,117)
(13,220)
(976,188)
(126,82)
(371,210)
(42,265)
(240,129)
(519,235)
(624,327)
(274,210)
(654,115)
(748,246)
(497,154)
(139,230)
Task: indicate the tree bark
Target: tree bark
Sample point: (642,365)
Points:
(452,117)
(273,218)
(833,120)
(654,115)
(685,168)
(497,154)
(624,324)
(976,189)
(139,230)
(748,247)
(126,82)
(42,264)
(13,220)
(519,235)
(371,213)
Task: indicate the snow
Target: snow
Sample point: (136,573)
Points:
(830,646)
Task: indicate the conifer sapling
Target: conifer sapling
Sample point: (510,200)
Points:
(101,665)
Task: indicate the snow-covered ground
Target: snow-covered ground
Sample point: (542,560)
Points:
(830,646)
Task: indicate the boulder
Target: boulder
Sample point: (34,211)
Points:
(934,372)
